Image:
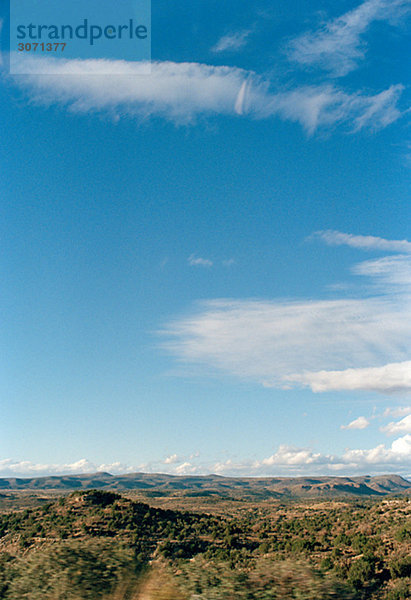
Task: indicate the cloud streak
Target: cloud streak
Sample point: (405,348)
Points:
(183,92)
(390,378)
(397,411)
(362,242)
(337,46)
(327,345)
(232,41)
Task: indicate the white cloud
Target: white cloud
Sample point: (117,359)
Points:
(389,378)
(291,456)
(26,468)
(243,99)
(402,426)
(399,452)
(196,261)
(337,46)
(115,468)
(323,106)
(186,468)
(340,344)
(285,343)
(292,461)
(232,41)
(182,92)
(363,242)
(359,423)
(388,272)
(397,411)
(286,460)
(171,460)
(176,91)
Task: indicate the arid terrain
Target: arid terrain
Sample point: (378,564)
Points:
(239,487)
(201,538)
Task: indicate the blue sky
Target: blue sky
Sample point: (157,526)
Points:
(206,269)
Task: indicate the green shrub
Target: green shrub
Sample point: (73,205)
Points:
(266,580)
(72,571)
(361,571)
(400,567)
(404,534)
(401,591)
(327,564)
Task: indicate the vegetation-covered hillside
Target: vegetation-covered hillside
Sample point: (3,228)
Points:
(237,487)
(97,544)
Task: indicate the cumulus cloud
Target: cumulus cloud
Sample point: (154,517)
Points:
(363,242)
(232,41)
(26,468)
(339,344)
(337,46)
(171,460)
(173,464)
(183,92)
(399,452)
(291,460)
(396,427)
(196,261)
(291,456)
(186,468)
(286,460)
(359,423)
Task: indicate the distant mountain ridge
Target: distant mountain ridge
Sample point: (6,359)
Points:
(234,487)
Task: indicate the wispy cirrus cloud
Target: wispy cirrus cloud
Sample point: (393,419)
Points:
(397,411)
(288,344)
(317,107)
(183,92)
(337,46)
(359,423)
(232,41)
(388,272)
(362,242)
(326,345)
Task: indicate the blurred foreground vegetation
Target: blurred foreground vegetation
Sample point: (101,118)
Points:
(99,545)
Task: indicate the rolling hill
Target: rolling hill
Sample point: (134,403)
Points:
(258,487)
